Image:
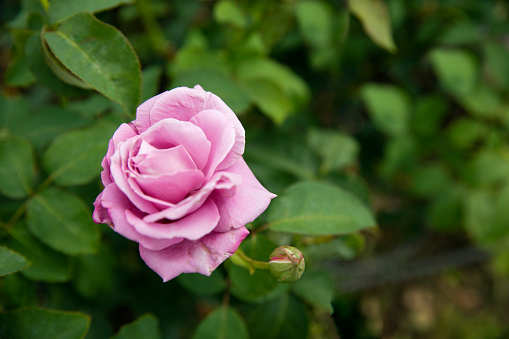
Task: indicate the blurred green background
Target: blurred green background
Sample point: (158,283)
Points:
(402,104)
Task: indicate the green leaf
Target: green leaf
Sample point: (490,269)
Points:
(337,150)
(375,20)
(223,323)
(145,327)
(428,115)
(94,273)
(100,56)
(11,262)
(38,66)
(445,212)
(17,72)
(457,70)
(496,60)
(316,22)
(388,106)
(318,208)
(487,168)
(284,317)
(43,324)
(465,132)
(316,288)
(202,285)
(62,9)
(260,285)
(271,99)
(483,102)
(47,265)
(486,215)
(62,221)
(75,157)
(151,78)
(216,81)
(17,167)
(229,12)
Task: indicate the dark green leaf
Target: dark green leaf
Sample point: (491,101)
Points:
(43,324)
(39,68)
(75,157)
(100,56)
(496,60)
(318,208)
(11,261)
(202,285)
(375,20)
(94,273)
(316,288)
(223,323)
(284,317)
(47,265)
(17,167)
(145,327)
(17,72)
(388,106)
(151,78)
(259,285)
(62,221)
(62,9)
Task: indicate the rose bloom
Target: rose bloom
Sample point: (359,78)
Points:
(176,183)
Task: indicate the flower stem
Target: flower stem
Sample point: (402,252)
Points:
(241,259)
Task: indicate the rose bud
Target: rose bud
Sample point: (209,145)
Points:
(286,264)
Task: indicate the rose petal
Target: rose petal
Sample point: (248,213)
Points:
(163,161)
(118,170)
(169,133)
(100,215)
(123,132)
(202,256)
(221,134)
(170,187)
(191,227)
(249,200)
(183,103)
(117,204)
(220,180)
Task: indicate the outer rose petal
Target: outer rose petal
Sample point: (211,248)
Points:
(249,200)
(191,227)
(202,256)
(123,132)
(183,103)
(117,204)
(100,214)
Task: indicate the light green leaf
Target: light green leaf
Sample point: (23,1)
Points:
(202,285)
(99,55)
(271,99)
(11,262)
(75,157)
(337,150)
(17,167)
(62,221)
(457,70)
(496,60)
(375,20)
(316,288)
(280,75)
(316,22)
(388,106)
(483,102)
(145,327)
(223,323)
(62,9)
(487,168)
(318,208)
(284,317)
(229,12)
(216,81)
(47,265)
(43,324)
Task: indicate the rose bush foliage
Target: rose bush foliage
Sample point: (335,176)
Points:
(175,182)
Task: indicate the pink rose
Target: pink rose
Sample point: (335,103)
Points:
(176,183)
